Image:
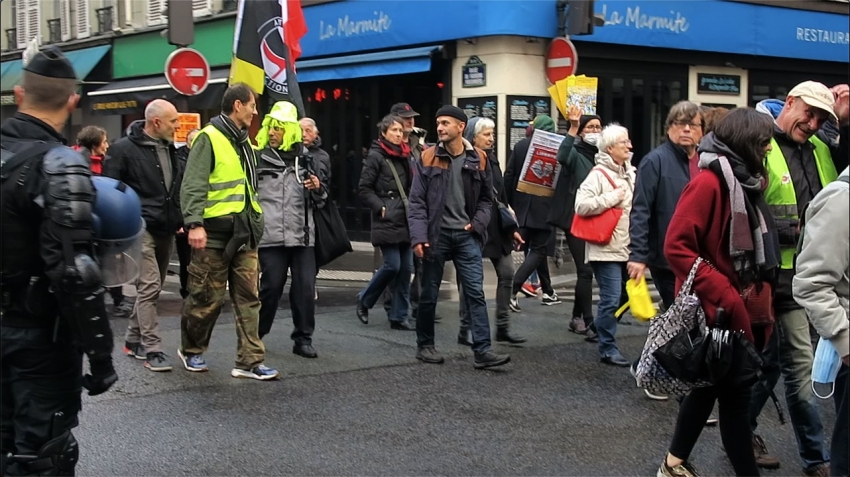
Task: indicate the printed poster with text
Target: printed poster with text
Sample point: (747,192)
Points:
(540,171)
(187,122)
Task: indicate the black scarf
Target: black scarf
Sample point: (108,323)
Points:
(587,150)
(239,138)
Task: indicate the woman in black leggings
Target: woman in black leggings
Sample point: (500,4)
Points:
(576,156)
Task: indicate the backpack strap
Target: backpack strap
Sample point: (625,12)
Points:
(9,161)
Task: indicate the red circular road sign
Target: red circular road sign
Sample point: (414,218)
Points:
(561,59)
(187,71)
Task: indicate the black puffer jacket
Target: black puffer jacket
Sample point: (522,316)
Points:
(378,189)
(133,160)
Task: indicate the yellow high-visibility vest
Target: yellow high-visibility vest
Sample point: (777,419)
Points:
(780,195)
(228,182)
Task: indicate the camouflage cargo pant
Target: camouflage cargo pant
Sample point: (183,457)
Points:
(209,274)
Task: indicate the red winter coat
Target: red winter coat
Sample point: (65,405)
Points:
(700,228)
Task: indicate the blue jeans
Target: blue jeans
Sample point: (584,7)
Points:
(610,276)
(395,273)
(790,352)
(464,250)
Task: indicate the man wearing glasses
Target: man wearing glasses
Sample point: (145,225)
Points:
(661,176)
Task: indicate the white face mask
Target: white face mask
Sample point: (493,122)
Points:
(592,138)
(825,367)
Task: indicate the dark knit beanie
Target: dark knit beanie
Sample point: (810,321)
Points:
(50,62)
(586,118)
(452,112)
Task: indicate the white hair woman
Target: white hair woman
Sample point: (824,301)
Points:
(480,132)
(609,184)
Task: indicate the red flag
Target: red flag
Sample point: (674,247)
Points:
(294,27)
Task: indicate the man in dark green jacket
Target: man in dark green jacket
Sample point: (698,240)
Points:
(224,247)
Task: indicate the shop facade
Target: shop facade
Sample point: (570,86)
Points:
(361,56)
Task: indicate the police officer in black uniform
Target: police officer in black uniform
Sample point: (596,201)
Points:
(52,296)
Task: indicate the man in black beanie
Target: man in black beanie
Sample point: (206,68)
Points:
(450,203)
(52,295)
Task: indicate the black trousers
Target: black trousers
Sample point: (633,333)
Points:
(184,255)
(39,379)
(665,283)
(583,306)
(733,410)
(537,242)
(275,262)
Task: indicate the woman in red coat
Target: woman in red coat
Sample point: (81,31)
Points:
(723,218)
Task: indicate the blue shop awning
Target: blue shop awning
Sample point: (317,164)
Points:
(83,60)
(384,63)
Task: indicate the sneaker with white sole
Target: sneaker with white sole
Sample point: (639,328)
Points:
(514,305)
(655,397)
(193,362)
(684,469)
(260,373)
(528,290)
(158,362)
(552,299)
(134,350)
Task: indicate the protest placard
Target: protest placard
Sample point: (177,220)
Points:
(541,169)
(188,122)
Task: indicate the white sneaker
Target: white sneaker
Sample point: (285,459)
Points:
(261,373)
(551,299)
(655,397)
(514,305)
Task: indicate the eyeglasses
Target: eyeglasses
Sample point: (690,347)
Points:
(593,128)
(682,124)
(626,142)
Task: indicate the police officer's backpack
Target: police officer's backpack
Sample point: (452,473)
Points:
(10,161)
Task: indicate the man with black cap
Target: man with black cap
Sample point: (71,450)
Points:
(52,294)
(411,134)
(450,203)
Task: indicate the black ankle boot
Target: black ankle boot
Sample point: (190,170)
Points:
(464,337)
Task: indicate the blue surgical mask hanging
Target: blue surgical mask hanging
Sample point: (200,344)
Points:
(825,367)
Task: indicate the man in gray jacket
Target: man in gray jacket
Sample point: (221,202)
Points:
(822,287)
(290,187)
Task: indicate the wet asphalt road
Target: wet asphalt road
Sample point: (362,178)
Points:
(367,407)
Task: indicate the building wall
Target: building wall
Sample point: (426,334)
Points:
(515,66)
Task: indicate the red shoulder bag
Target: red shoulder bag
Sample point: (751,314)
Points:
(597,229)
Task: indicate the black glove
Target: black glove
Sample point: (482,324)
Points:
(102,376)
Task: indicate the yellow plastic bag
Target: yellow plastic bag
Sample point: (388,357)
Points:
(640,301)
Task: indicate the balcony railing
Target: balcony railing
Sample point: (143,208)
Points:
(11,39)
(54,28)
(229,5)
(104,20)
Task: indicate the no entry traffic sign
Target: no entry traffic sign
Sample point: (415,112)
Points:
(187,71)
(561,59)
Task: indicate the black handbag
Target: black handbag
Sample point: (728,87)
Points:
(331,237)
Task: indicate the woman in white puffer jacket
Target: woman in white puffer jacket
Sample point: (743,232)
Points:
(611,183)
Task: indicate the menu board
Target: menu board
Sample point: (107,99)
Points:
(521,112)
(482,107)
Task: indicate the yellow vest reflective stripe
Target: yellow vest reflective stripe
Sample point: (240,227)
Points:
(780,195)
(228,180)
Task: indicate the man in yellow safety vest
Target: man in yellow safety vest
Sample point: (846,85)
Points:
(799,165)
(223,215)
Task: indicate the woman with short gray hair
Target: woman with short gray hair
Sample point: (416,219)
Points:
(609,184)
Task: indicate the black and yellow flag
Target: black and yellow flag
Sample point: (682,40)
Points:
(265,48)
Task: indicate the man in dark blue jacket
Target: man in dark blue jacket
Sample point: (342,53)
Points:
(450,203)
(661,176)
